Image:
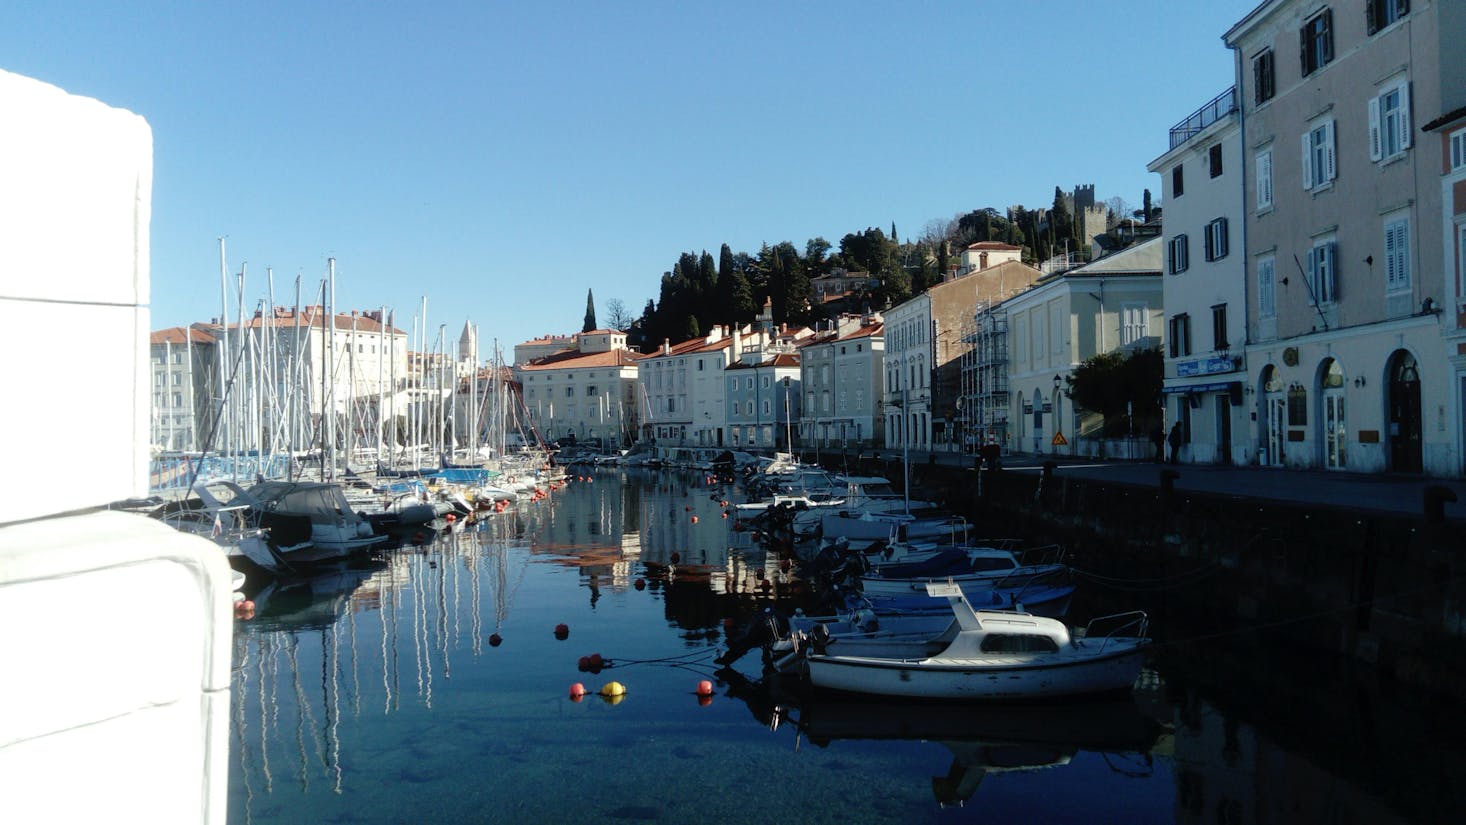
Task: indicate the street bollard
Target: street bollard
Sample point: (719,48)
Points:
(1436,496)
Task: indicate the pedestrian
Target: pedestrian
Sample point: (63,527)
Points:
(1158,438)
(1175,439)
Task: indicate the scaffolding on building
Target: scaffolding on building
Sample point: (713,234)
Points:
(985,377)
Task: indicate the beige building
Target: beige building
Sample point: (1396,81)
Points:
(924,349)
(1347,366)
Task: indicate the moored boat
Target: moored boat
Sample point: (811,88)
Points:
(986,654)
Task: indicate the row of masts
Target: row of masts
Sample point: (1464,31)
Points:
(274,394)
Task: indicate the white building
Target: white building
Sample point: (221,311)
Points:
(1205,266)
(1110,304)
(680,390)
(840,374)
(588,393)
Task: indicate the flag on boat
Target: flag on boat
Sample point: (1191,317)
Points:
(218,527)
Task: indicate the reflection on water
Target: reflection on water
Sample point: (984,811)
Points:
(427,686)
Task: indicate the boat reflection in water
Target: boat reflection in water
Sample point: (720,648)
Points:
(984,738)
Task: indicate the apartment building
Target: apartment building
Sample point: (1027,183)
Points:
(1346,289)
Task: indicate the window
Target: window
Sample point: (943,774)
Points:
(699,365)
(671,404)
(1458,150)
(1179,254)
(1264,180)
(1132,323)
(1216,239)
(1180,335)
(766,406)
(766,382)
(1318,155)
(1219,327)
(1266,296)
(1323,276)
(1297,406)
(1214,160)
(1397,255)
(1381,13)
(178,399)
(569,392)
(590,389)
(733,384)
(1018,643)
(1389,122)
(1316,42)
(1263,86)
(1178,182)
(748,383)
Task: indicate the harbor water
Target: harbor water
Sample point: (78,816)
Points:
(432,683)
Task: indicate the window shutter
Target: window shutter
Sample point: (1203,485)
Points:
(1257,93)
(1391,268)
(1330,171)
(1369,17)
(1307,160)
(1303,50)
(1222,238)
(1402,249)
(1313,284)
(1331,251)
(1405,127)
(1375,144)
(1327,49)
(1210,248)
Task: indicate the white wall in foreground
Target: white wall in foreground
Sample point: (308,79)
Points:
(76,181)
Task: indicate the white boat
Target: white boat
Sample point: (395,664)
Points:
(782,500)
(986,654)
(864,529)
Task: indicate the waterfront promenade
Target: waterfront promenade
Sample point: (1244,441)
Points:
(1402,494)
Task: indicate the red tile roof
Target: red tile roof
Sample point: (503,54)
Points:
(577,360)
(180,335)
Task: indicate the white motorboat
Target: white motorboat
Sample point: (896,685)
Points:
(976,569)
(986,654)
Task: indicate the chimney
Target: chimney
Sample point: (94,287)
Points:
(666,346)
(737,345)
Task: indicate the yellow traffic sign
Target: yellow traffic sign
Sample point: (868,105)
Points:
(1060,440)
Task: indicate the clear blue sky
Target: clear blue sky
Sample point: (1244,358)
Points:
(500,159)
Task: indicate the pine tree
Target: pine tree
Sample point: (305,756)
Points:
(590,311)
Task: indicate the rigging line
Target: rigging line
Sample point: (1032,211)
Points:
(1096,577)
(75,302)
(1311,296)
(1308,616)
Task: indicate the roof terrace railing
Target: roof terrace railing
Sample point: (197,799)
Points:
(1220,106)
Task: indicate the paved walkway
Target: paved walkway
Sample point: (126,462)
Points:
(1361,491)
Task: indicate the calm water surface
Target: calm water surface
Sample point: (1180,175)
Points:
(373,693)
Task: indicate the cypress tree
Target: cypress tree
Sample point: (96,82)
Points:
(590,311)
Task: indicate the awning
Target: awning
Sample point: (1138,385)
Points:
(1215,386)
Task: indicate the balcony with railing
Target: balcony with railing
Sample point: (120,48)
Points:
(1220,106)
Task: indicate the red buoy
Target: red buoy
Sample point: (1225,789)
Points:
(577,690)
(451,518)
(705,688)
(641,584)
(562,631)
(495,640)
(583,664)
(694,519)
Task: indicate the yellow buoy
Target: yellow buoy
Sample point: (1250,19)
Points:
(613,689)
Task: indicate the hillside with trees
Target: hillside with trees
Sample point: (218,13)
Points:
(699,292)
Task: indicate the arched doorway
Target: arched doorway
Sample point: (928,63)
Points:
(1332,421)
(1404,405)
(1274,416)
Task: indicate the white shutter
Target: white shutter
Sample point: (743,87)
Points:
(1376,150)
(1330,170)
(1331,251)
(1307,160)
(1405,115)
(1264,180)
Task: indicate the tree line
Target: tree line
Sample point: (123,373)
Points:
(699,292)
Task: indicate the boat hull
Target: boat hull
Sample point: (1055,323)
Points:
(987,679)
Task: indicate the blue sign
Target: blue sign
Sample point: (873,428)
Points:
(1206,366)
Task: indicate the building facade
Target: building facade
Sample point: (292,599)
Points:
(184,381)
(588,394)
(840,376)
(1112,304)
(1205,370)
(1346,355)
(925,344)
